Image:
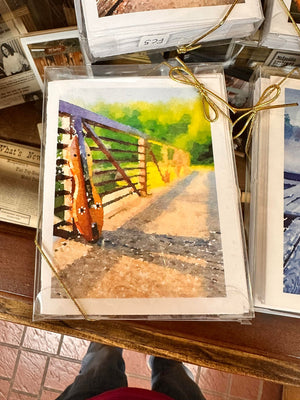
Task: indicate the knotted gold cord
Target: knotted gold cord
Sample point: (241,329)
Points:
(182,74)
(269,95)
(195,44)
(287,11)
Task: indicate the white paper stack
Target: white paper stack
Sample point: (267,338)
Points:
(278,31)
(160,26)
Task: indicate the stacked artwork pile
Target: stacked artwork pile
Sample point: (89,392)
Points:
(132,26)
(275,206)
(278,31)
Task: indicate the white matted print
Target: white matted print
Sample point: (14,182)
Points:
(282,286)
(155,228)
(52,48)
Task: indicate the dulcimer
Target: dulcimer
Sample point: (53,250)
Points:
(87,210)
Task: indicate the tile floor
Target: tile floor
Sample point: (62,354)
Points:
(36,364)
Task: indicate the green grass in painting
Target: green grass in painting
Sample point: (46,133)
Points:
(179,123)
(179,140)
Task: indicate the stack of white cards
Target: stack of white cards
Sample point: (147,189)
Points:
(135,27)
(275,207)
(278,31)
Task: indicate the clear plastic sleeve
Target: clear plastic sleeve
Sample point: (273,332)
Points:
(274,210)
(139,204)
(107,32)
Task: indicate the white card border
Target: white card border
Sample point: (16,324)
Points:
(45,37)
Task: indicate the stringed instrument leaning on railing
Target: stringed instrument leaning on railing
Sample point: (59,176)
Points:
(87,210)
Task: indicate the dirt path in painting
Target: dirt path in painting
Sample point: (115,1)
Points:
(170,247)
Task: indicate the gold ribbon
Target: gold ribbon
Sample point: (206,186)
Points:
(269,95)
(182,74)
(195,44)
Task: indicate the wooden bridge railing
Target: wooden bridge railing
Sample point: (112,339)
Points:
(121,157)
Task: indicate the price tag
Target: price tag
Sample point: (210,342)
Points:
(153,41)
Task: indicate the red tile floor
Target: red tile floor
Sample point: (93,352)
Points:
(36,364)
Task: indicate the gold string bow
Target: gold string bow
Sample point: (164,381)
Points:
(269,95)
(182,74)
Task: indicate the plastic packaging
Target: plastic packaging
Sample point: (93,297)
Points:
(274,227)
(139,202)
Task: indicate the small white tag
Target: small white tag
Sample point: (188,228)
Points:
(153,41)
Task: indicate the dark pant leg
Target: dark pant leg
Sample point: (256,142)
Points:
(172,378)
(102,369)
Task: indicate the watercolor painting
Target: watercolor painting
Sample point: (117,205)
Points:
(292,194)
(136,208)
(113,7)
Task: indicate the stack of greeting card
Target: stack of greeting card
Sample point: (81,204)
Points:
(140,213)
(275,202)
(117,27)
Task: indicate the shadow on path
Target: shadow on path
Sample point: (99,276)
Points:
(189,255)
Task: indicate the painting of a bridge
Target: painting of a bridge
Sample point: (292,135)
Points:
(136,208)
(291,258)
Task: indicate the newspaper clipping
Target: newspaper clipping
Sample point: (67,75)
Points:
(17,81)
(19,179)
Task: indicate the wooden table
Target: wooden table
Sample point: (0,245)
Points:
(268,348)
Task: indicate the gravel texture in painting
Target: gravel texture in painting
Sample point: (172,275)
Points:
(165,245)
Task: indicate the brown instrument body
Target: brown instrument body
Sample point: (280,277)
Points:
(88,220)
(96,211)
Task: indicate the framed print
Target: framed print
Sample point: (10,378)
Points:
(281,289)
(52,48)
(155,228)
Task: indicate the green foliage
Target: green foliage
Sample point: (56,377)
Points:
(201,153)
(178,123)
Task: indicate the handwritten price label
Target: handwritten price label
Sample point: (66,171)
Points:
(153,41)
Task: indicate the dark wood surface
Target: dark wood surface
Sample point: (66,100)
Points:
(267,348)
(19,123)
